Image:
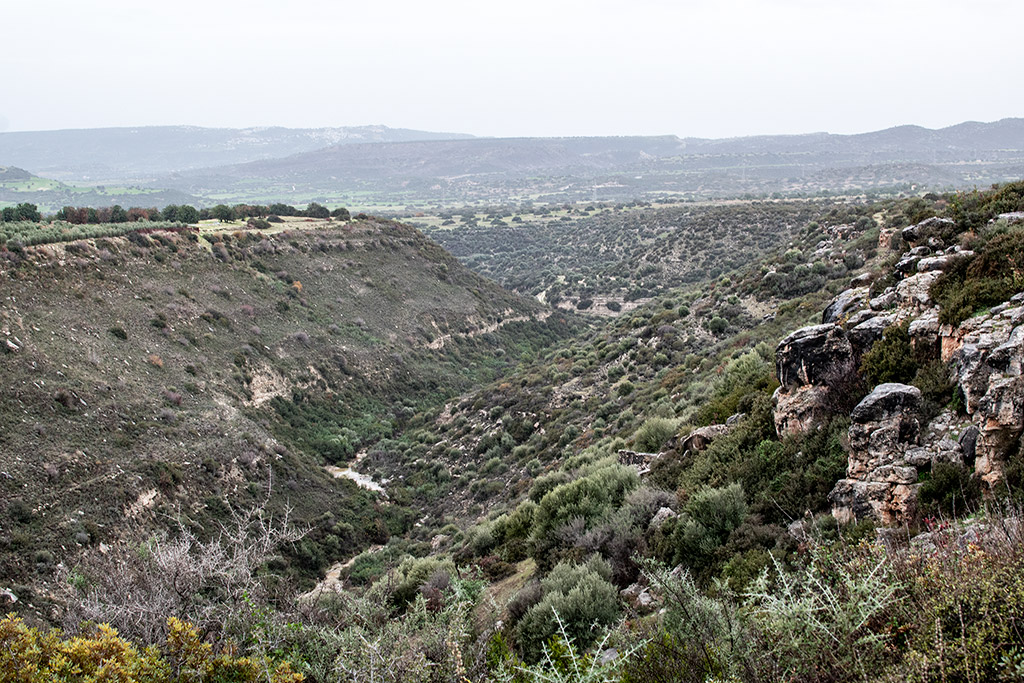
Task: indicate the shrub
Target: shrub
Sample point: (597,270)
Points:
(891,359)
(578,596)
(718,325)
(971,284)
(545,483)
(949,490)
(707,520)
(34,657)
(963,606)
(653,434)
(578,504)
(829,621)
(415,573)
(700,638)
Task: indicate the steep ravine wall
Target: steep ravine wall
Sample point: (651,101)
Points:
(890,444)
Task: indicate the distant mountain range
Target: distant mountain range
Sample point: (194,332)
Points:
(373,166)
(121,155)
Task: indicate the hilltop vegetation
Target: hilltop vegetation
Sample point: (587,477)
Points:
(18,186)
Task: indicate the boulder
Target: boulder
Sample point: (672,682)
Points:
(862,280)
(863,335)
(853,500)
(813,355)
(886,401)
(967,442)
(886,299)
(913,291)
(907,264)
(860,316)
(660,517)
(918,456)
(930,227)
(847,301)
(809,362)
(934,263)
(941,262)
(1011,217)
(700,438)
(797,411)
(990,373)
(639,598)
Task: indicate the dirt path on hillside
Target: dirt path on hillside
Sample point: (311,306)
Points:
(493,327)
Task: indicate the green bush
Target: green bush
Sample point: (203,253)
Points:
(705,524)
(582,502)
(971,284)
(891,359)
(950,490)
(413,574)
(653,434)
(829,622)
(545,483)
(580,597)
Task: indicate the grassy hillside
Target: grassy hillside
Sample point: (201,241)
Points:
(159,380)
(18,185)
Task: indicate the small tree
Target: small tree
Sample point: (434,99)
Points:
(170,212)
(187,214)
(223,213)
(892,358)
(315,210)
(26,212)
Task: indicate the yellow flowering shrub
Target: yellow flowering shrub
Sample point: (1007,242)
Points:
(30,656)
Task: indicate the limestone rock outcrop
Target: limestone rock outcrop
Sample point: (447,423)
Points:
(808,362)
(848,301)
(889,447)
(989,373)
(879,482)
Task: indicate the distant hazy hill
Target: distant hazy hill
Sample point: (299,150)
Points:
(13,174)
(18,185)
(374,166)
(618,167)
(449,159)
(130,154)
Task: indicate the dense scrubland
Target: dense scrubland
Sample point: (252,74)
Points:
(513,542)
(595,256)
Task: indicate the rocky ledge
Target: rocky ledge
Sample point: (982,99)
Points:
(889,447)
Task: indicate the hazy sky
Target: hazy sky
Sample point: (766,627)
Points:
(691,68)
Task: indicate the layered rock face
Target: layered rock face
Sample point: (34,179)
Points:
(889,447)
(880,482)
(808,363)
(988,367)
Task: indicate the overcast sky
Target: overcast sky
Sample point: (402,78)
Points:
(691,68)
